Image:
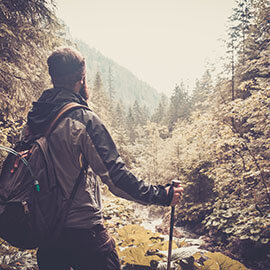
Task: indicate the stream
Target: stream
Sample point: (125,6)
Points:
(141,234)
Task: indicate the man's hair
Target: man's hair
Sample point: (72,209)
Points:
(66,67)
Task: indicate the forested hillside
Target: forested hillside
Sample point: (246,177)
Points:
(119,82)
(28,32)
(216,141)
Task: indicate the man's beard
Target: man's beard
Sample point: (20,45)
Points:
(84,91)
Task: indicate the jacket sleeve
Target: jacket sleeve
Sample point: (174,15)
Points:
(104,159)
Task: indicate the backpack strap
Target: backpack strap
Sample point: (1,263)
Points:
(76,185)
(79,179)
(65,109)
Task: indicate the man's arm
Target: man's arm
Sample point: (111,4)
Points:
(103,157)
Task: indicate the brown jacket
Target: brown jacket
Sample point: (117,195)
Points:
(82,134)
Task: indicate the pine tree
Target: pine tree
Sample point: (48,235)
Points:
(258,47)
(119,133)
(179,105)
(98,83)
(160,112)
(236,44)
(119,116)
(131,125)
(139,114)
(203,88)
(110,84)
(250,32)
(145,114)
(101,102)
(241,22)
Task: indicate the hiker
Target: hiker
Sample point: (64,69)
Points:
(81,138)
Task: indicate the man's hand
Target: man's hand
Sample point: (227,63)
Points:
(177,194)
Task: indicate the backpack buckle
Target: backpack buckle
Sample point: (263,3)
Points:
(25,207)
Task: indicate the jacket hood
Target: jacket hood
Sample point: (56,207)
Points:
(48,106)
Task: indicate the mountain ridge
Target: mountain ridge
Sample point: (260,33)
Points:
(127,86)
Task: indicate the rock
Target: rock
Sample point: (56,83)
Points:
(14,259)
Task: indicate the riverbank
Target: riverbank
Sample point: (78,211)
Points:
(142,243)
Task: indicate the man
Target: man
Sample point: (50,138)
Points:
(81,137)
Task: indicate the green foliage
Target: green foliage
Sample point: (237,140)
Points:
(100,101)
(203,88)
(179,105)
(159,115)
(139,243)
(221,151)
(218,261)
(28,31)
(241,23)
(219,148)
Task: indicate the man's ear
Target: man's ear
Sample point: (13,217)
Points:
(83,80)
(77,86)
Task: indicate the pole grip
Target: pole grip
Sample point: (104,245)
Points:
(176,182)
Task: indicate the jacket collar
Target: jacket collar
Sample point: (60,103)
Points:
(48,106)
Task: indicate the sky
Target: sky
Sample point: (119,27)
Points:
(162,42)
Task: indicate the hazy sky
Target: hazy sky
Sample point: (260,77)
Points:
(161,41)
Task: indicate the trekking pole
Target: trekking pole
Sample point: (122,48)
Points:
(175,183)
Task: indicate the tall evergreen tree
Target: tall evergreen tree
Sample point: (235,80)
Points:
(98,83)
(119,117)
(179,105)
(160,112)
(249,31)
(101,101)
(258,46)
(120,133)
(203,88)
(241,22)
(139,114)
(110,84)
(131,124)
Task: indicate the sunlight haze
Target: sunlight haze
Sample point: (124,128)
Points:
(161,41)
